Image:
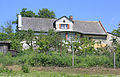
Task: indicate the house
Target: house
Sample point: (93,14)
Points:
(110,37)
(66,27)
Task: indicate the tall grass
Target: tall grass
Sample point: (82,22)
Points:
(56,59)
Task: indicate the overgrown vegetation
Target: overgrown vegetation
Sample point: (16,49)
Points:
(49,49)
(53,58)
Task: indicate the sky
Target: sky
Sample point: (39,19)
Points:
(107,11)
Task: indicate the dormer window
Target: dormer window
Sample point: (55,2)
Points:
(64,26)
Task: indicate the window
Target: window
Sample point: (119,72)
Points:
(63,35)
(64,26)
(71,36)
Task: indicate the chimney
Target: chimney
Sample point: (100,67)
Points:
(71,17)
(19,22)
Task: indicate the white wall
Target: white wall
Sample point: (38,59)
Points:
(110,37)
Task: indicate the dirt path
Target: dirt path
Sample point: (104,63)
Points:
(93,70)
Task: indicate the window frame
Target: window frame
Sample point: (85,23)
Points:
(64,26)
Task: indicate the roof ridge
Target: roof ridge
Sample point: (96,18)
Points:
(102,27)
(85,21)
(39,18)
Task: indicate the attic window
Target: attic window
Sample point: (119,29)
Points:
(64,21)
(64,26)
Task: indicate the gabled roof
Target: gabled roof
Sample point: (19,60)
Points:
(44,24)
(88,27)
(37,24)
(65,17)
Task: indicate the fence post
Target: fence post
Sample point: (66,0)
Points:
(114,60)
(72,56)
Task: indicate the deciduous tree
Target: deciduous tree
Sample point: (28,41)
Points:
(45,13)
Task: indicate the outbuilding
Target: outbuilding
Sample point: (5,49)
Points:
(4,46)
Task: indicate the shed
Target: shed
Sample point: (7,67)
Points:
(4,46)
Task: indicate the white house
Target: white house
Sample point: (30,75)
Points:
(67,27)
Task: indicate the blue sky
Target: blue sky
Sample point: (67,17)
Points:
(107,11)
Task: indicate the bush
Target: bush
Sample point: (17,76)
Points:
(93,61)
(50,60)
(25,68)
(7,59)
(56,59)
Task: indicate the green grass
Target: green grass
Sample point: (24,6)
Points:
(48,74)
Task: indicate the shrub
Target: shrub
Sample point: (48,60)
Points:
(93,61)
(25,68)
(50,60)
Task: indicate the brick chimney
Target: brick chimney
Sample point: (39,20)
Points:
(71,17)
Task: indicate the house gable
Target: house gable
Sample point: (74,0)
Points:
(64,24)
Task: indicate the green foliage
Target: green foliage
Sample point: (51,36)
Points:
(93,61)
(7,59)
(53,59)
(34,58)
(6,32)
(25,68)
(16,40)
(29,38)
(25,13)
(45,13)
(20,35)
(116,32)
(3,36)
(8,29)
(16,45)
(4,69)
(45,42)
(82,46)
(118,55)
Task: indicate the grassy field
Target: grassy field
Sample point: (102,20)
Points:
(61,72)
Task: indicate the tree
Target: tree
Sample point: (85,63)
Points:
(25,13)
(16,40)
(16,45)
(6,31)
(8,28)
(45,13)
(86,46)
(29,38)
(54,38)
(3,36)
(45,42)
(22,35)
(116,32)
(81,46)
